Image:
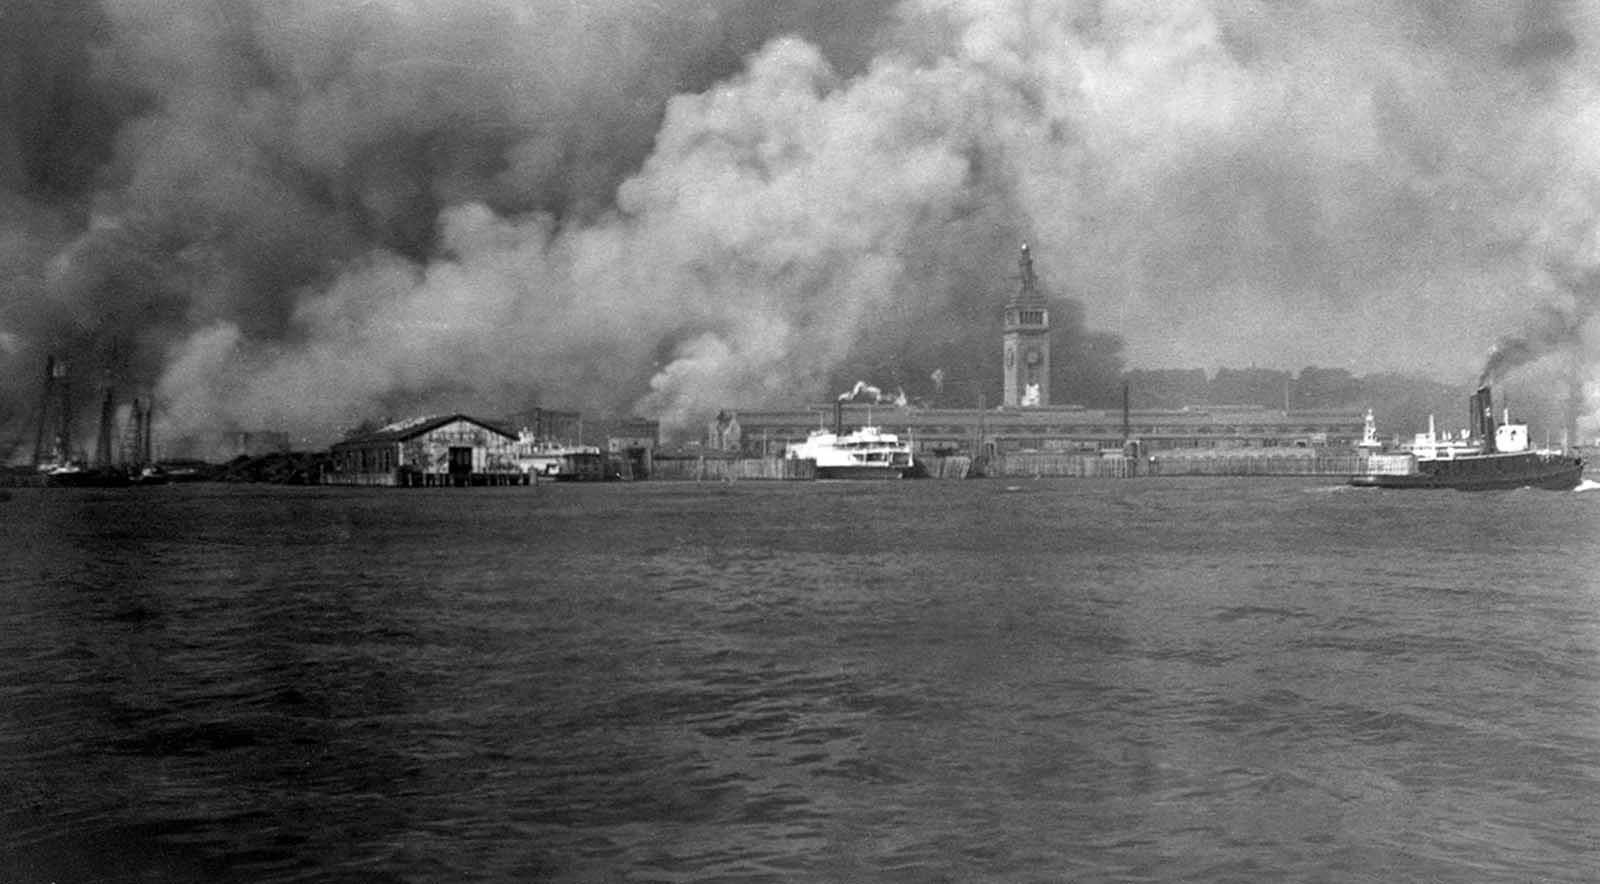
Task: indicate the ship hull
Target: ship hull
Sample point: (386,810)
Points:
(96,478)
(1488,473)
(861,472)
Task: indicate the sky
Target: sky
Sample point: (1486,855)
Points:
(306,214)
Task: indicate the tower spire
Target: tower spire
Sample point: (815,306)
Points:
(1030,282)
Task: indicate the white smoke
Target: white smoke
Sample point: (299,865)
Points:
(862,390)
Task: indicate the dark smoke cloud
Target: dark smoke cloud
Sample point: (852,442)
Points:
(184,174)
(1562,332)
(1551,329)
(298,214)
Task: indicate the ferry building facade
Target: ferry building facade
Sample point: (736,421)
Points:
(1027,420)
(1009,429)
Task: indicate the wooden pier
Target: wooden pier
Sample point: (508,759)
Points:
(414,479)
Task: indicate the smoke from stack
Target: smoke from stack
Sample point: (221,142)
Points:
(862,390)
(1561,329)
(1551,329)
(303,218)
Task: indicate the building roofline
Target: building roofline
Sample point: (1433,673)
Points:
(410,429)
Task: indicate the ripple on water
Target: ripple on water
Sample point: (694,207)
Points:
(936,681)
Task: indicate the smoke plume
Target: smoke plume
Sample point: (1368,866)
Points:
(862,390)
(300,215)
(1553,327)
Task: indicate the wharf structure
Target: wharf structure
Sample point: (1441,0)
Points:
(451,449)
(629,445)
(1178,439)
(458,449)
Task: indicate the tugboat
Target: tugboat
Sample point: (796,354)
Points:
(1488,456)
(863,453)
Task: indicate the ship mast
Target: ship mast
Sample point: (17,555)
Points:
(53,440)
(108,408)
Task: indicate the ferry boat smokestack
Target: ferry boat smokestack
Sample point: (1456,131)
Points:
(838,417)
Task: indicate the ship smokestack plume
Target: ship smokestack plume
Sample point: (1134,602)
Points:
(1553,327)
(862,388)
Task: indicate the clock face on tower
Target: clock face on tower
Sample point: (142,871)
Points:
(1033,356)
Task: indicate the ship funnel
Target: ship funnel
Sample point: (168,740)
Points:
(838,417)
(1481,420)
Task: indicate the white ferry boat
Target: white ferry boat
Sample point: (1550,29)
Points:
(863,453)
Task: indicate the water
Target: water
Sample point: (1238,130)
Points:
(1148,680)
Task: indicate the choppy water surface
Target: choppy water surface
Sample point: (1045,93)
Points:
(1214,680)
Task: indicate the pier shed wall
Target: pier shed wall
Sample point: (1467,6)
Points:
(452,450)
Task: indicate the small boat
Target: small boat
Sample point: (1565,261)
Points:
(149,474)
(1486,457)
(863,453)
(73,475)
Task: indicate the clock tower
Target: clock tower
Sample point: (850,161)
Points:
(1027,341)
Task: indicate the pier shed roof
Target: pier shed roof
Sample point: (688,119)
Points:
(401,431)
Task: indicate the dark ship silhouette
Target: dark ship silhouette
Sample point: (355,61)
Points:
(1488,456)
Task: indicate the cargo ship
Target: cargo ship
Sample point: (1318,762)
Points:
(1487,456)
(863,453)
